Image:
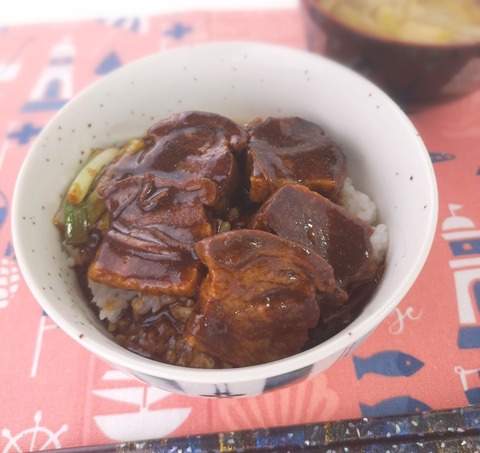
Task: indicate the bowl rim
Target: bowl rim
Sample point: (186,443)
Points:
(388,40)
(346,339)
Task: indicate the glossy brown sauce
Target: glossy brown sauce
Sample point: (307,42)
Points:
(239,226)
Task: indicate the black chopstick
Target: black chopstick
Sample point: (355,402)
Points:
(454,430)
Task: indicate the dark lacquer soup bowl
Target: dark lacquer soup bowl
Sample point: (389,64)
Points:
(424,66)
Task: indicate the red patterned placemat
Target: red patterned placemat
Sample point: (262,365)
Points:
(425,355)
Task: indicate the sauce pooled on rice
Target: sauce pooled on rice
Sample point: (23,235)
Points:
(209,244)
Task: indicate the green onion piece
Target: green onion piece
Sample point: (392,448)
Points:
(59,218)
(104,222)
(94,153)
(95,206)
(81,185)
(76,224)
(133,146)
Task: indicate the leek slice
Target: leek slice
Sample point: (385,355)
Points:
(133,146)
(76,224)
(95,206)
(81,184)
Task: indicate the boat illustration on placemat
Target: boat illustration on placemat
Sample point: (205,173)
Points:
(145,423)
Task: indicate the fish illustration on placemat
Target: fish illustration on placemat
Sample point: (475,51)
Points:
(441,157)
(394,406)
(387,363)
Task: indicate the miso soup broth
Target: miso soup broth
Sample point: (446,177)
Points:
(420,21)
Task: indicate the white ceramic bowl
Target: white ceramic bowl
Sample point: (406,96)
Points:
(387,160)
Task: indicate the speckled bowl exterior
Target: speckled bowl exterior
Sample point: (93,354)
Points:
(387,160)
(411,73)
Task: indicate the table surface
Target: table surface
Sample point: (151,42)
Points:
(424,356)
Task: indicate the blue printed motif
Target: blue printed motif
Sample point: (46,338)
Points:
(441,157)
(223,391)
(394,406)
(133,24)
(178,31)
(108,64)
(52,104)
(3,209)
(387,363)
(9,251)
(287,378)
(465,247)
(473,395)
(469,337)
(24,134)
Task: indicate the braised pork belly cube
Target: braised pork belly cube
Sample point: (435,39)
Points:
(258,299)
(214,127)
(292,150)
(189,145)
(126,261)
(154,224)
(300,215)
(175,208)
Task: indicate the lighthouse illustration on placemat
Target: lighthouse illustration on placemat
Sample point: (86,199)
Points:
(464,241)
(54,87)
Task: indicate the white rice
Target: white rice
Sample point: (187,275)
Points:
(379,240)
(112,301)
(360,205)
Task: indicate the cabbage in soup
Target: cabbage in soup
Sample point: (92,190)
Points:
(424,21)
